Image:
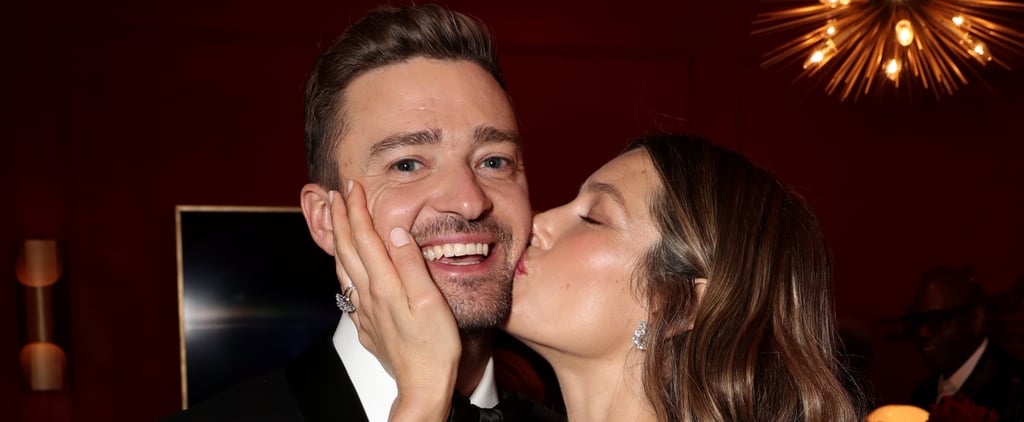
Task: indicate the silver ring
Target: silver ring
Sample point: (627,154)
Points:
(343,300)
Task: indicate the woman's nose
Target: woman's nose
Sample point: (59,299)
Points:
(543,229)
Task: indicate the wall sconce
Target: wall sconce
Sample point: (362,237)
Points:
(43,362)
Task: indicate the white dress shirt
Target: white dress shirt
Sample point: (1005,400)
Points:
(949,387)
(376,389)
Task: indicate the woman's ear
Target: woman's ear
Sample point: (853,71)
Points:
(316,208)
(699,285)
(681,326)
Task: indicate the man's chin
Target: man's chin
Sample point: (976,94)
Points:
(481,319)
(480,304)
(934,363)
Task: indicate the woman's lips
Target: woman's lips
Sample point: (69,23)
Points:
(521,265)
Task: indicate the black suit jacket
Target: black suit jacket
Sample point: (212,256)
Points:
(997,383)
(315,387)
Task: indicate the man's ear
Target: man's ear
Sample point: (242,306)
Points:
(317,210)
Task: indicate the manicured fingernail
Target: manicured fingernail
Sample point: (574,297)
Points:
(330,197)
(399,237)
(348,188)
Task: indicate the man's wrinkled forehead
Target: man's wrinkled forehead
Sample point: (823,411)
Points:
(435,136)
(372,104)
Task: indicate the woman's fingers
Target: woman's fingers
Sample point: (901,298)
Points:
(402,316)
(430,346)
(348,267)
(398,273)
(423,295)
(371,252)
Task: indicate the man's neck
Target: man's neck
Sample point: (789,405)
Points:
(476,351)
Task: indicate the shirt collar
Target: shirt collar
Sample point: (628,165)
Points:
(376,389)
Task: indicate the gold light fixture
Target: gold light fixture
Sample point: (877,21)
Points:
(860,45)
(43,362)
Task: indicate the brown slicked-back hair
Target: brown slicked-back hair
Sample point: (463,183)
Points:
(763,342)
(385,36)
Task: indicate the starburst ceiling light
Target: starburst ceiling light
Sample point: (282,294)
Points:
(858,45)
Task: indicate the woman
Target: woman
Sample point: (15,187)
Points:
(682,284)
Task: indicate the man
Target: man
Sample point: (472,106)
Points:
(411,104)
(946,322)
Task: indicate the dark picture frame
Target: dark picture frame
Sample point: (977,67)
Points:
(254,291)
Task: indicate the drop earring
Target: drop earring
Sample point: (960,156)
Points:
(640,336)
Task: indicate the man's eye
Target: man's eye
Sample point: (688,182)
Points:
(496,162)
(408,165)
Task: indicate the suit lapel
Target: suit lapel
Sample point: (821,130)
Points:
(982,374)
(322,387)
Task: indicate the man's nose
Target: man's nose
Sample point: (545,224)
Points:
(924,332)
(460,192)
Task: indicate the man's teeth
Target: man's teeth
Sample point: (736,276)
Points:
(449,250)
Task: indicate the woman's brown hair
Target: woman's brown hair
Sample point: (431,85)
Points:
(763,342)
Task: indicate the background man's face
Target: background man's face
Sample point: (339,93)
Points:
(945,325)
(436,147)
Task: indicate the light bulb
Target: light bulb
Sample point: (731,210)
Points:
(904,32)
(830,3)
(844,2)
(821,54)
(831,28)
(978,49)
(958,20)
(892,69)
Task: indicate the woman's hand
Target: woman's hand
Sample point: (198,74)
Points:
(402,317)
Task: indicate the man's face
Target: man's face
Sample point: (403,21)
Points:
(944,326)
(435,145)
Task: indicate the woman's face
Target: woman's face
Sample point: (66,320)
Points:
(573,290)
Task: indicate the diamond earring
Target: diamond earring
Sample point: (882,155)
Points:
(640,336)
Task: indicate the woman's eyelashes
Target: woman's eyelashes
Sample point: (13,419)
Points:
(587,219)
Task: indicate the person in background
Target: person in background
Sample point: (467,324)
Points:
(683,283)
(946,322)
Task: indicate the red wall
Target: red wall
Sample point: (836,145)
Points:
(118,113)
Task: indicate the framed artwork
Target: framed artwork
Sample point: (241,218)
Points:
(254,290)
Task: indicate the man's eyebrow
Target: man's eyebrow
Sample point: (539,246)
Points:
(493,134)
(608,189)
(404,139)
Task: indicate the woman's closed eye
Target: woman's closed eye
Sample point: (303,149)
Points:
(589,220)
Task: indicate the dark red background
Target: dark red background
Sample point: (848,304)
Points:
(117,111)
